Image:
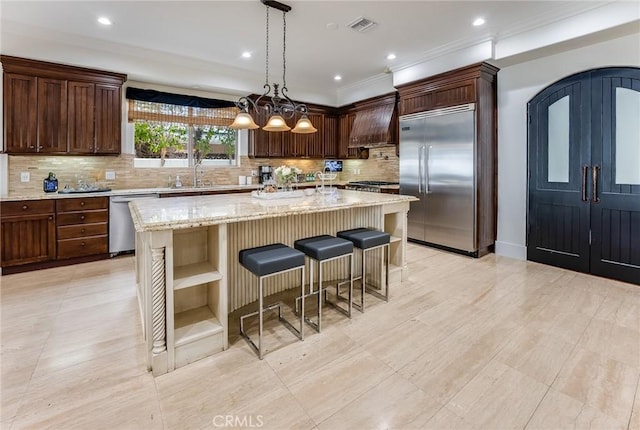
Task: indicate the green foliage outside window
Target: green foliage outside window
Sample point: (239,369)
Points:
(163,140)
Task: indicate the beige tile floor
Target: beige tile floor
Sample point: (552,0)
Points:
(490,343)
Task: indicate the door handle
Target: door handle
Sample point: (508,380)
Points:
(426,177)
(584,183)
(420,158)
(594,178)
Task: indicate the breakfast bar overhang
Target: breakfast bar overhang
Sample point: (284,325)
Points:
(187,271)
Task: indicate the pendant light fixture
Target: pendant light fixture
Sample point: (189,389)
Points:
(278,109)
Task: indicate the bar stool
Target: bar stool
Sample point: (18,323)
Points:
(322,249)
(266,261)
(366,240)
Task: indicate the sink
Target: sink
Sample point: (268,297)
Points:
(83,190)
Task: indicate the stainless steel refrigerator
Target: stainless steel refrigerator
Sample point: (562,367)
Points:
(437,159)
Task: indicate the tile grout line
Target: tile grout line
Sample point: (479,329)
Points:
(292,395)
(635,395)
(562,367)
(44,344)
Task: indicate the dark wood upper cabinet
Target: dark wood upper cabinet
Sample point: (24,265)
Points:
(57,109)
(81,117)
(266,144)
(108,119)
(311,145)
(52,115)
(345,125)
(330,136)
(20,121)
(465,85)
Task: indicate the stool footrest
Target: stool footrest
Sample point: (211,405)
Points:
(281,319)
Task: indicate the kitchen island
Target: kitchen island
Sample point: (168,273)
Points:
(187,271)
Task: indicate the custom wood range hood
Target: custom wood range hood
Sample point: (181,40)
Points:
(375,123)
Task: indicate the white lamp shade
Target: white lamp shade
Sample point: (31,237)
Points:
(276,123)
(304,126)
(243,121)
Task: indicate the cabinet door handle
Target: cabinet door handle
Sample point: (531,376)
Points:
(83,230)
(82,244)
(594,177)
(82,217)
(81,203)
(584,183)
(51,218)
(25,207)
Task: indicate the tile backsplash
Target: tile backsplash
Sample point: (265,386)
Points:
(381,165)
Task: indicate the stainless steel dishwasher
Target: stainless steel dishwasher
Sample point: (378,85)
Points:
(122,234)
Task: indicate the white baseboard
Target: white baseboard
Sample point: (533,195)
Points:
(511,250)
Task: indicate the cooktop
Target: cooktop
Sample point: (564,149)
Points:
(373,183)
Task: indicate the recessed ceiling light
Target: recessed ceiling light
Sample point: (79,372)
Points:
(337,77)
(391,57)
(104,20)
(246,54)
(478,22)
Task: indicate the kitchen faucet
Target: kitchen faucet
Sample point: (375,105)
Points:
(197,181)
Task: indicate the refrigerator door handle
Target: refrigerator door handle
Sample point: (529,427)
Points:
(420,158)
(426,176)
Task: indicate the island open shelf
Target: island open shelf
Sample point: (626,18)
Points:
(189,277)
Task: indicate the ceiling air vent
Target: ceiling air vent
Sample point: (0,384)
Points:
(362,24)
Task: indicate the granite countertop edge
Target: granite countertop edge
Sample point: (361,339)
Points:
(123,192)
(240,207)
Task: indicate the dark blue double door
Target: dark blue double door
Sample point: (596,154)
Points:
(584,174)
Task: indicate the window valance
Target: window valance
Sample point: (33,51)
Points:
(158,106)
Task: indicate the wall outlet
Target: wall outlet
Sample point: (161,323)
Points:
(25,176)
(109,175)
(254,173)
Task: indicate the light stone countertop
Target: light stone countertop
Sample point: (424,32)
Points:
(123,192)
(196,211)
(41,195)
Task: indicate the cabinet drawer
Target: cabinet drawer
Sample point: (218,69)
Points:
(27,207)
(81,247)
(81,204)
(85,217)
(84,230)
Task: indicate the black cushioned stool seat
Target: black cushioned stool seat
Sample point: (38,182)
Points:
(367,239)
(322,249)
(265,261)
(269,259)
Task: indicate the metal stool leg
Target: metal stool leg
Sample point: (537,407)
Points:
(260,312)
(385,260)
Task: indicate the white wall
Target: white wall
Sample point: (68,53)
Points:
(517,85)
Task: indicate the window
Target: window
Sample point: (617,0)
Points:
(179,135)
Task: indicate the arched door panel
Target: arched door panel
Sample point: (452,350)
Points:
(584,174)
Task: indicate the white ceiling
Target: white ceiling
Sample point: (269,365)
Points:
(198,44)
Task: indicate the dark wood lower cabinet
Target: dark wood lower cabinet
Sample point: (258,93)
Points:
(37,234)
(28,239)
(82,227)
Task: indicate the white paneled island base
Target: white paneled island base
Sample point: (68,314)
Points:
(187,271)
